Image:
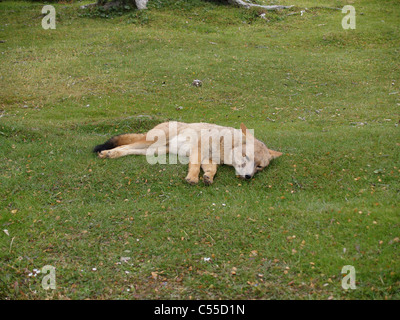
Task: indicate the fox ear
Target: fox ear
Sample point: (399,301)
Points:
(274,154)
(243,127)
(246,131)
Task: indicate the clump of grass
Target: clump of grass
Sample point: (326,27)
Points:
(106,13)
(139,17)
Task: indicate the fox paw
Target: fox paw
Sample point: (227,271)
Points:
(109,154)
(207,180)
(102,154)
(192,181)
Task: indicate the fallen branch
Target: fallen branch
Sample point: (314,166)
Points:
(88,5)
(248,5)
(328,8)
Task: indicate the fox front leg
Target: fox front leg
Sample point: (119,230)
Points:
(210,169)
(194,167)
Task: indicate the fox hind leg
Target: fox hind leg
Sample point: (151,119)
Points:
(136,139)
(131,149)
(122,151)
(123,145)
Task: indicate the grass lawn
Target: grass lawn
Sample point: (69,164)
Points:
(326,97)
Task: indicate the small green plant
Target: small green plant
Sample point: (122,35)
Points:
(249,16)
(253,15)
(139,17)
(106,13)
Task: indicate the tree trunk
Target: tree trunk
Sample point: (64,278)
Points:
(141,4)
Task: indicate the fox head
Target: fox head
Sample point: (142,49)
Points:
(252,155)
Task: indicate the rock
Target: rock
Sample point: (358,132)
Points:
(197,83)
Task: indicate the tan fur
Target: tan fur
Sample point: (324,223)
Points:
(127,144)
(129,138)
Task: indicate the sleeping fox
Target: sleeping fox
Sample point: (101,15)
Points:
(203,145)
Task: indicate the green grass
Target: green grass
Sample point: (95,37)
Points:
(326,97)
